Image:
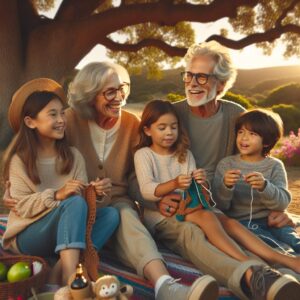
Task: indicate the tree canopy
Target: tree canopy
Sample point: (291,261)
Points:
(150,32)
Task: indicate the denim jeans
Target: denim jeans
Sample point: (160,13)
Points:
(65,226)
(286,237)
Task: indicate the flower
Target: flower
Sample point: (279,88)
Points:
(288,149)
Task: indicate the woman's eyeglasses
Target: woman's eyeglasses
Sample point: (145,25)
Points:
(111,93)
(201,78)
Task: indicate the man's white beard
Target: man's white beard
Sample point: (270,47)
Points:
(207,98)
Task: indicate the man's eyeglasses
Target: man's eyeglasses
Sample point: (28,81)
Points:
(201,78)
(111,93)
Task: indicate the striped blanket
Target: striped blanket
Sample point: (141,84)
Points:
(143,290)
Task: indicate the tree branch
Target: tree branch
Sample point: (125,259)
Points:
(168,49)
(76,9)
(267,36)
(29,17)
(84,33)
(285,12)
(156,12)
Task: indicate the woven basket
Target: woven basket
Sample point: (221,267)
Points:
(22,288)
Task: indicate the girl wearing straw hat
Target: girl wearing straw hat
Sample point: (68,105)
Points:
(47,178)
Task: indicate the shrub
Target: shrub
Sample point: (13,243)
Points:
(174,97)
(290,116)
(288,149)
(240,99)
(288,94)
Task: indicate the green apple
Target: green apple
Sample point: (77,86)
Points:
(3,271)
(19,271)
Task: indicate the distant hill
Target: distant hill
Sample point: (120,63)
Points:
(248,83)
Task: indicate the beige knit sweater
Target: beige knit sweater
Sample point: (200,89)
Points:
(118,166)
(35,201)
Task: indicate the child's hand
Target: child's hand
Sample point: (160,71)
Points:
(8,201)
(199,175)
(72,187)
(102,186)
(231,177)
(183,181)
(256,180)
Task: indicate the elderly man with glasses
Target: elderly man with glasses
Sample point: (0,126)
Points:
(209,121)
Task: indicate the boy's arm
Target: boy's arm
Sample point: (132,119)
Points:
(275,195)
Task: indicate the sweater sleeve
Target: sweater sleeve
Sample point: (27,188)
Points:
(29,202)
(222,195)
(79,166)
(276,196)
(144,172)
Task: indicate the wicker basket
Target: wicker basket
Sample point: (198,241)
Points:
(22,288)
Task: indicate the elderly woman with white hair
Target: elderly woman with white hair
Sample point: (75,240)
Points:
(106,134)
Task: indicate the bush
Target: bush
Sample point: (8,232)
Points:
(288,94)
(288,149)
(290,116)
(174,97)
(240,99)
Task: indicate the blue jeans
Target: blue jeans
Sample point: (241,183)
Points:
(64,227)
(286,236)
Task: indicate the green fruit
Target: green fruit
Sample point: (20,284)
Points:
(19,271)
(3,271)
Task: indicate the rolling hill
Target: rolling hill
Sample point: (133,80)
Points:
(248,83)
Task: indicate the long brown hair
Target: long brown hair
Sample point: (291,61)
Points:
(25,143)
(152,112)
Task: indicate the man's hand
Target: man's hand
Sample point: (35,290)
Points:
(169,204)
(8,201)
(279,219)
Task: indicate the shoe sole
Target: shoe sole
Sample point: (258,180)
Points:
(204,288)
(286,287)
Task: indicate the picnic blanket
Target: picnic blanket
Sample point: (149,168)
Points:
(143,290)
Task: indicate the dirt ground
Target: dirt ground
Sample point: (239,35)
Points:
(294,187)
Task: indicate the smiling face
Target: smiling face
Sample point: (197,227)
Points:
(164,133)
(249,144)
(110,107)
(50,122)
(197,94)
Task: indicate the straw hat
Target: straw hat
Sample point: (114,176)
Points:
(20,96)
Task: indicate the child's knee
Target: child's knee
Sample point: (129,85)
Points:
(75,202)
(114,216)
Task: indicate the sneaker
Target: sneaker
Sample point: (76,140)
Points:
(269,284)
(203,288)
